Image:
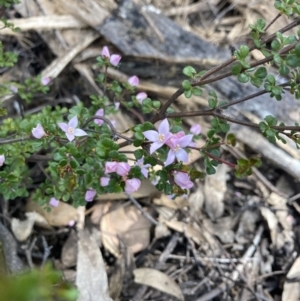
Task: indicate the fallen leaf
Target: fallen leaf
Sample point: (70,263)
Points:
(22,229)
(57,216)
(291,290)
(91,278)
(69,250)
(129,225)
(158,280)
(214,191)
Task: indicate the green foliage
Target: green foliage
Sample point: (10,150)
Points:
(244,166)
(45,284)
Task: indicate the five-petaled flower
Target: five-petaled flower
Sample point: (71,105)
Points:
(71,130)
(144,167)
(89,195)
(114,59)
(133,81)
(38,132)
(132,185)
(100,113)
(177,144)
(2,159)
(183,180)
(159,138)
(53,202)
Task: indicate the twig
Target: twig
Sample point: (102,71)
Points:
(225,285)
(139,207)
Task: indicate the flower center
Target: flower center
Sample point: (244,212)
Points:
(161,137)
(70,130)
(176,148)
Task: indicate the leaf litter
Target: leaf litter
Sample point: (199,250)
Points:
(222,242)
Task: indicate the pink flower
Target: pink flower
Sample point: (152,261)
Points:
(132,185)
(195,129)
(158,138)
(117,105)
(105,52)
(2,159)
(122,168)
(71,223)
(54,202)
(141,96)
(144,167)
(70,129)
(176,148)
(104,181)
(133,81)
(183,180)
(100,112)
(89,195)
(45,81)
(110,167)
(38,132)
(114,59)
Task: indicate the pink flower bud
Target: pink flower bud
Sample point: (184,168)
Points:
(132,185)
(115,59)
(2,159)
(45,81)
(104,181)
(196,129)
(54,202)
(38,132)
(110,167)
(141,96)
(182,179)
(122,169)
(100,112)
(117,105)
(105,52)
(89,195)
(133,81)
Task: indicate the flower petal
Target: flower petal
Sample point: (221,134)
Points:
(2,159)
(182,155)
(133,81)
(79,133)
(38,132)
(63,126)
(154,146)
(105,52)
(170,158)
(73,122)
(151,135)
(115,59)
(70,137)
(104,181)
(195,129)
(185,140)
(54,202)
(164,127)
(132,185)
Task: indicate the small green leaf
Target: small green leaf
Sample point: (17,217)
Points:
(189,71)
(237,68)
(212,103)
(186,85)
(261,72)
(188,93)
(275,45)
(292,60)
(243,78)
(197,91)
(271,120)
(139,153)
